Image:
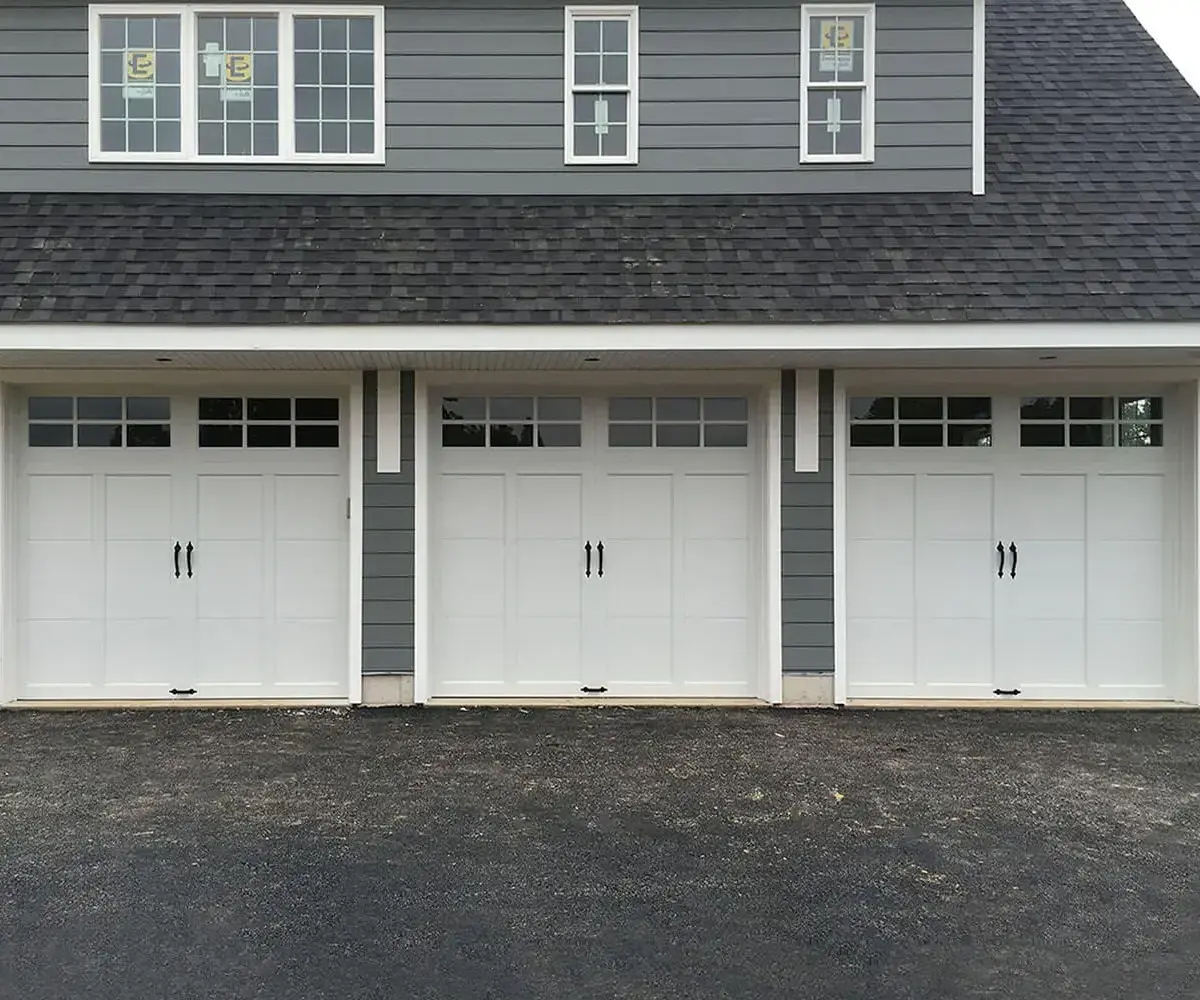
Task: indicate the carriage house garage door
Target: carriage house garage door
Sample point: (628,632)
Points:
(188,545)
(1007,547)
(595,545)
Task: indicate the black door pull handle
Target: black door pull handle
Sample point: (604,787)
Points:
(183,690)
(178,548)
(587,690)
(1000,549)
(588,550)
(600,553)
(1012,549)
(1010,692)
(189,557)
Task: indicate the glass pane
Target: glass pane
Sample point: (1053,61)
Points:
(872,435)
(362,69)
(969,435)
(362,138)
(335,137)
(1141,408)
(100,408)
(630,408)
(316,435)
(511,408)
(587,142)
(970,408)
(308,137)
(678,435)
(630,435)
(615,69)
(678,408)
(464,408)
(148,435)
(316,409)
(510,435)
(921,436)
(220,408)
(140,32)
(362,34)
(559,435)
(269,409)
(1091,435)
(112,32)
(268,436)
(148,408)
(99,435)
(587,36)
(307,33)
(1043,435)
(1141,435)
(872,408)
(51,435)
(615,35)
(920,407)
(725,435)
(559,408)
(613,142)
(726,408)
(51,407)
(1091,408)
(587,69)
(463,436)
(220,435)
(1043,408)
(848,140)
(334,33)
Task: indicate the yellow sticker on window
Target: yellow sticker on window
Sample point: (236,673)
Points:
(836,41)
(139,74)
(238,67)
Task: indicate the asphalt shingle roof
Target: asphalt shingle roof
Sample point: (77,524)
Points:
(1093,160)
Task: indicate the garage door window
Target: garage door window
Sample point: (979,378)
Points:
(678,422)
(1092,422)
(268,422)
(99,422)
(921,422)
(512,421)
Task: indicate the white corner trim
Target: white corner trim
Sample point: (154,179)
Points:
(839,540)
(808,420)
(979,95)
(354,618)
(387,422)
(8,546)
(773,652)
(421,474)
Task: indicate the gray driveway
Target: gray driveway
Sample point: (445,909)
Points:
(599,853)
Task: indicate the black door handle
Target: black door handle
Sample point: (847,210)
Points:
(587,690)
(1000,549)
(1012,548)
(588,549)
(189,557)
(178,547)
(600,553)
(183,691)
(1010,693)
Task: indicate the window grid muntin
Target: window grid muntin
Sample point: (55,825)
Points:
(661,429)
(242,430)
(812,18)
(601,92)
(148,430)
(248,119)
(286,13)
(546,427)
(118,83)
(357,88)
(977,431)
(1115,431)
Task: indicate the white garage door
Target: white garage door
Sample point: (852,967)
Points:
(182,546)
(594,545)
(1002,547)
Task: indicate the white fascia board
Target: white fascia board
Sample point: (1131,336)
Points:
(684,338)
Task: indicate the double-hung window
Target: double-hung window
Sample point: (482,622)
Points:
(250,83)
(601,92)
(837,91)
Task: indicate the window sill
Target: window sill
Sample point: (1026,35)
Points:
(262,161)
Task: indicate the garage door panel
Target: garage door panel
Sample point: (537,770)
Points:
(881,651)
(471,650)
(309,652)
(549,506)
(470,576)
(1048,508)
(638,652)
(1127,508)
(59,508)
(1126,653)
(470,506)
(883,573)
(633,578)
(881,507)
(231,652)
(1050,581)
(309,581)
(954,578)
(955,651)
(954,507)
(1043,651)
(549,579)
(62,652)
(548,650)
(714,506)
(229,507)
(229,579)
(138,579)
(309,508)
(1125,580)
(143,651)
(711,650)
(63,580)
(716,579)
(639,507)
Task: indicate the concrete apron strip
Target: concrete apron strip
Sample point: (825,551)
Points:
(108,706)
(981,704)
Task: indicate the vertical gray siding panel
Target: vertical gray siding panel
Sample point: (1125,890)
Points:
(474,106)
(807,521)
(388,533)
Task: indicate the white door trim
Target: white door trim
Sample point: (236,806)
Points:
(840,458)
(767,386)
(350,382)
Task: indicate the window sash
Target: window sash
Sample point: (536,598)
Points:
(809,14)
(573,89)
(188,15)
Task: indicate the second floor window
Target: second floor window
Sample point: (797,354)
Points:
(601,92)
(837,92)
(199,83)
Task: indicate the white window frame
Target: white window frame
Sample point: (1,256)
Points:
(808,12)
(573,14)
(187,14)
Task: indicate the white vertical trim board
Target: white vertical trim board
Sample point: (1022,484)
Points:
(840,456)
(979,96)
(421,604)
(808,420)
(387,422)
(773,547)
(354,617)
(8,546)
